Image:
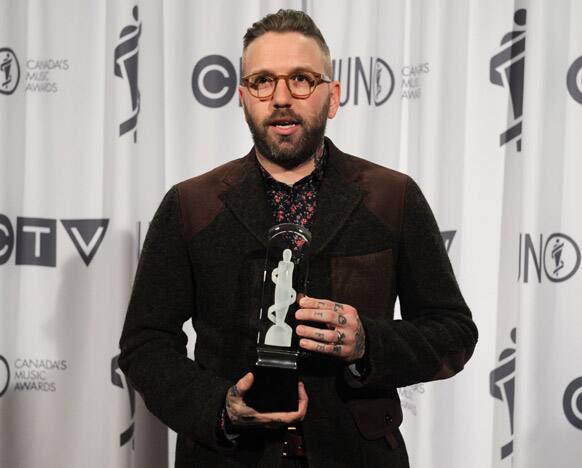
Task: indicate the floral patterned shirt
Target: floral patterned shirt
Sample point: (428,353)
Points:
(295,203)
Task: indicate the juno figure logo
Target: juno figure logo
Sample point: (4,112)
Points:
(4,375)
(9,71)
(126,67)
(502,387)
(507,69)
(117,379)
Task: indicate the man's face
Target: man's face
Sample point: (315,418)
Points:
(287,145)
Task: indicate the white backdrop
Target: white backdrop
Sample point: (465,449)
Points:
(104,105)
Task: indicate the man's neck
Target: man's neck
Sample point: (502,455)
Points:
(289,176)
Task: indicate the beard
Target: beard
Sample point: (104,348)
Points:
(279,149)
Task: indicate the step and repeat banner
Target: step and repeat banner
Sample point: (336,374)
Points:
(106,104)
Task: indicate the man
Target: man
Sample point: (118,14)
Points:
(374,238)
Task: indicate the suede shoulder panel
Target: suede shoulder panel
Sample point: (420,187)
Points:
(383,189)
(201,196)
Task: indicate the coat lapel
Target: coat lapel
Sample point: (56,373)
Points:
(246,197)
(337,199)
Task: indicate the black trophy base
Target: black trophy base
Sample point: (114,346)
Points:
(274,390)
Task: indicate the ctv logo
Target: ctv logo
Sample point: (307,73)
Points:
(448,237)
(35,239)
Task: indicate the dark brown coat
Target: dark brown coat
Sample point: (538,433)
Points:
(374,238)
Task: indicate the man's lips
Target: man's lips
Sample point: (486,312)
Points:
(284,126)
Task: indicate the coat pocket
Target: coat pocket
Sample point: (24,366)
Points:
(377,417)
(365,282)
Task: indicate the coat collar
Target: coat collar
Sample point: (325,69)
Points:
(337,199)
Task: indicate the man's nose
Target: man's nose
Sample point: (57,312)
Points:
(281,96)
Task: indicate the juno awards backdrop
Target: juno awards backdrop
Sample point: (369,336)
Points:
(105,104)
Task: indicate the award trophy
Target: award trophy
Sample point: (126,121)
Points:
(284,278)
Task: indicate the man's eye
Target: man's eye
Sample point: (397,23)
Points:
(302,78)
(261,79)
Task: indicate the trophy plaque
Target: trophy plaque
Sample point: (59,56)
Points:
(284,278)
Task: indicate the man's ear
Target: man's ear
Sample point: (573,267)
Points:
(240,95)
(334,98)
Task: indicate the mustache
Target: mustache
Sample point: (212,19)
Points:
(287,114)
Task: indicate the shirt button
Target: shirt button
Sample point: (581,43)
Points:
(388,419)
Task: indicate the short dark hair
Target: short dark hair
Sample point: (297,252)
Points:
(288,21)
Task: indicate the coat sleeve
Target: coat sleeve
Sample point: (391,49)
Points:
(176,389)
(436,335)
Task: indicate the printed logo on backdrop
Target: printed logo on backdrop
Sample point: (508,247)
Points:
(4,375)
(214,81)
(502,387)
(365,81)
(118,379)
(42,74)
(448,237)
(412,80)
(87,235)
(6,239)
(572,403)
(30,374)
(507,69)
(409,397)
(555,257)
(574,80)
(126,67)
(140,235)
(9,71)
(35,241)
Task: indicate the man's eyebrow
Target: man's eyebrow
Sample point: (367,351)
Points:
(266,71)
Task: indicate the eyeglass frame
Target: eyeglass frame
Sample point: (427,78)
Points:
(319,79)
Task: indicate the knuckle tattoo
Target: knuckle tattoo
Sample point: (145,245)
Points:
(360,340)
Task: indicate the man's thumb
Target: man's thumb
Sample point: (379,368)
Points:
(245,383)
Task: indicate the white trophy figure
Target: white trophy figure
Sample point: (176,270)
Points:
(280,333)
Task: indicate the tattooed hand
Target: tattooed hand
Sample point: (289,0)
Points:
(243,416)
(345,336)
